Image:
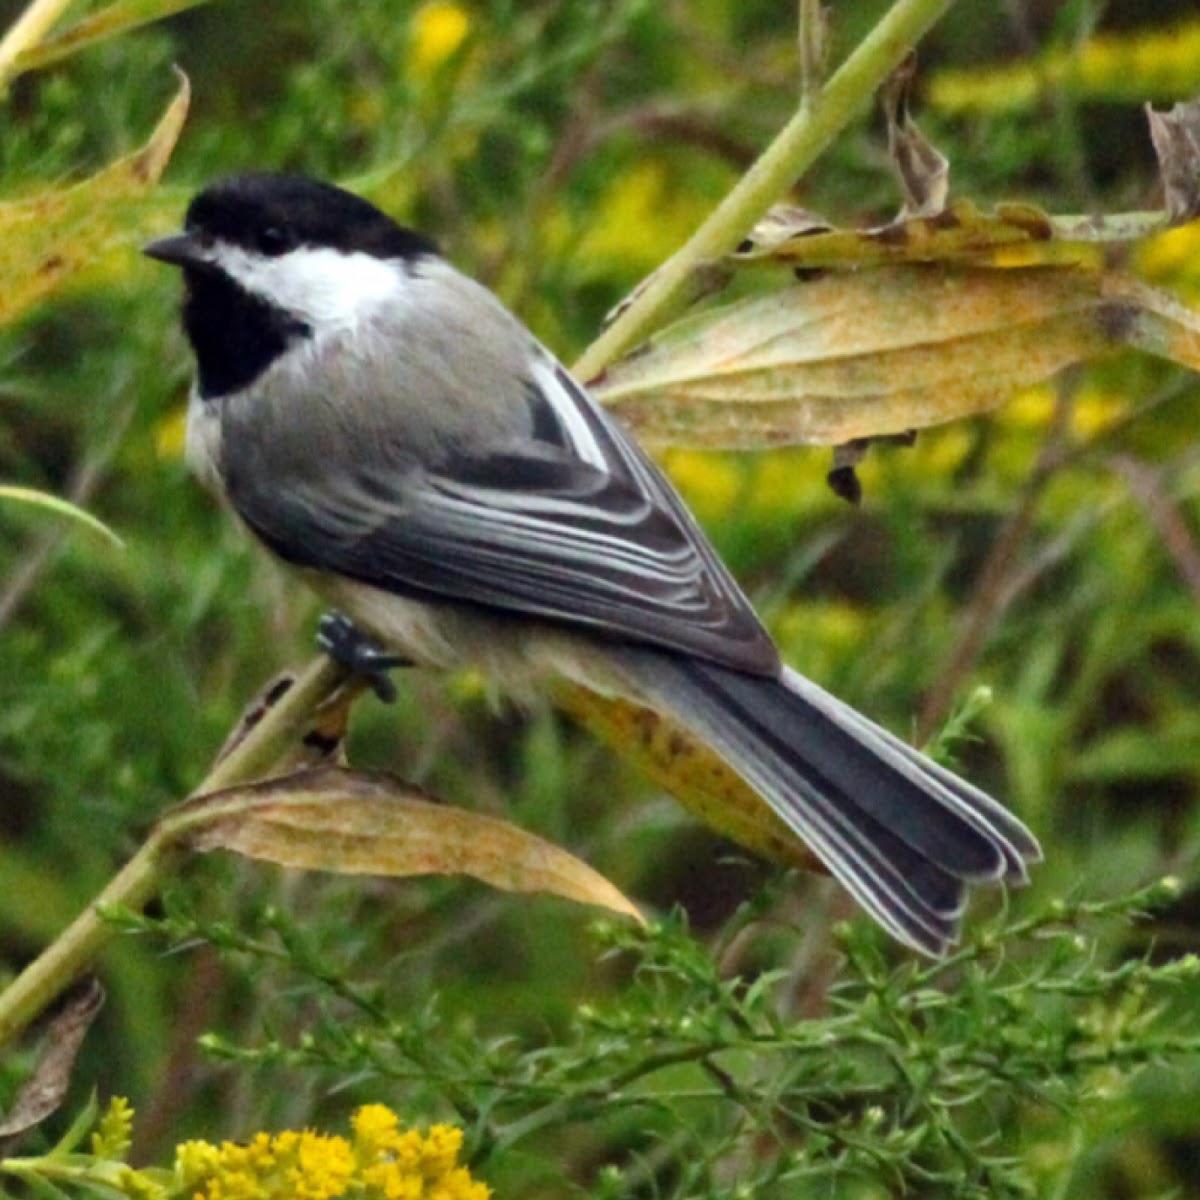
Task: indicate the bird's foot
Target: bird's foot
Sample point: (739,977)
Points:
(359,653)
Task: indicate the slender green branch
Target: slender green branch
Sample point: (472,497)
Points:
(75,949)
(812,40)
(819,120)
(281,726)
(142,877)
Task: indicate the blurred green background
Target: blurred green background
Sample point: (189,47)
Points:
(560,151)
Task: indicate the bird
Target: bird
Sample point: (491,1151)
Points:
(387,428)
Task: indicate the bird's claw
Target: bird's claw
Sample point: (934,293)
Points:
(359,653)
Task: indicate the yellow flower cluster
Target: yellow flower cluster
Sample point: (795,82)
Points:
(767,486)
(114,1130)
(1173,257)
(439,28)
(1150,64)
(380,1162)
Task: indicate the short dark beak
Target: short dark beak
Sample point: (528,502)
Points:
(180,250)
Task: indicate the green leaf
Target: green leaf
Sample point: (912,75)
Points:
(1128,753)
(63,508)
(109,22)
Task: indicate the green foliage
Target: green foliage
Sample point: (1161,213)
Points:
(560,150)
(745,1067)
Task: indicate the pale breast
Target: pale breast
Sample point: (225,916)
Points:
(202,444)
(517,655)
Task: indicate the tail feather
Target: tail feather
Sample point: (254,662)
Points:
(1018,846)
(916,901)
(903,835)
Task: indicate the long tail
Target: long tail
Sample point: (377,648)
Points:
(902,834)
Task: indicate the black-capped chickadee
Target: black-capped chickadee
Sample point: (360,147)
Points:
(383,423)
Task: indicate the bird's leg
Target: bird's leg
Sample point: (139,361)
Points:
(359,653)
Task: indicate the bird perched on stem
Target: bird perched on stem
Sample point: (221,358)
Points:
(382,423)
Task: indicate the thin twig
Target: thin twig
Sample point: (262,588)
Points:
(657,121)
(813,42)
(1068,538)
(160,1113)
(86,478)
(988,599)
(1147,487)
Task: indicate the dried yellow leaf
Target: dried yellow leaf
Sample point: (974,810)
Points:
(695,775)
(864,353)
(354,823)
(47,239)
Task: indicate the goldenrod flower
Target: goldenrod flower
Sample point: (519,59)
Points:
(1161,63)
(712,484)
(375,1128)
(381,1162)
(114,1130)
(438,29)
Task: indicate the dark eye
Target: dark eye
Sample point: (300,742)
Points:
(274,240)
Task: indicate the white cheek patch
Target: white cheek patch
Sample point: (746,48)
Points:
(325,288)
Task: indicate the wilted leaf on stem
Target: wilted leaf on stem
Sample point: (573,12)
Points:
(857,354)
(961,232)
(922,321)
(1156,322)
(781,224)
(352,823)
(1012,234)
(322,741)
(43,1092)
(48,238)
(923,171)
(843,477)
(1176,138)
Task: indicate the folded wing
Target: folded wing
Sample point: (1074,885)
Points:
(572,524)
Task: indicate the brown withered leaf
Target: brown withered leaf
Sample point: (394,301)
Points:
(931,230)
(782,223)
(47,239)
(1176,138)
(857,354)
(924,320)
(356,823)
(1151,320)
(843,478)
(268,696)
(961,232)
(696,776)
(923,171)
(43,1092)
